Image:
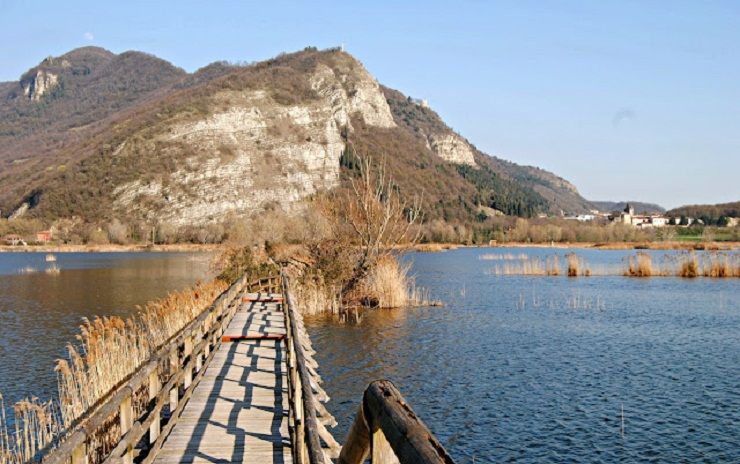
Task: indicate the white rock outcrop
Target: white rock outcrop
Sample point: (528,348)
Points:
(40,84)
(256,153)
(452,148)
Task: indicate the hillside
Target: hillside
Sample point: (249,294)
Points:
(710,214)
(163,146)
(640,207)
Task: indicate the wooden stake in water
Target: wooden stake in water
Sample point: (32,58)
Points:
(622,428)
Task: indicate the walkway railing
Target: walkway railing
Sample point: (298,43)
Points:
(133,422)
(139,414)
(312,442)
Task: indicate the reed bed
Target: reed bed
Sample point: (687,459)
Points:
(576,266)
(549,266)
(53,270)
(316,297)
(108,350)
(35,427)
(503,257)
(390,285)
(640,266)
(575,300)
(690,265)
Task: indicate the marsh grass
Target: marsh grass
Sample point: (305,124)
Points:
(36,425)
(53,269)
(534,266)
(503,257)
(689,265)
(108,350)
(316,297)
(576,266)
(639,266)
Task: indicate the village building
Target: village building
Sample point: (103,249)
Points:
(629,217)
(44,236)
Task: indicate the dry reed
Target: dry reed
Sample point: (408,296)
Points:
(641,266)
(503,257)
(316,297)
(109,350)
(576,266)
(53,270)
(534,266)
(689,265)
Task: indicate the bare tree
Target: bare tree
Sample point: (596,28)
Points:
(378,220)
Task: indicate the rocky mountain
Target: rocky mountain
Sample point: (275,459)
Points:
(640,207)
(132,136)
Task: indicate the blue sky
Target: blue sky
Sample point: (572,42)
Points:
(627,99)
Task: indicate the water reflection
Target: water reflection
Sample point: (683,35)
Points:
(40,312)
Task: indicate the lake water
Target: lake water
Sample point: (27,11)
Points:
(512,368)
(539,369)
(40,312)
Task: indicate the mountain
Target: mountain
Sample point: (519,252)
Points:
(100,136)
(640,207)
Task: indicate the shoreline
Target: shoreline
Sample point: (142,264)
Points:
(419,247)
(709,246)
(174,248)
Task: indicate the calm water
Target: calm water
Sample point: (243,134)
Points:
(539,369)
(40,312)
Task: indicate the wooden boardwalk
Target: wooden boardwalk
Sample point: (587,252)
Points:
(239,410)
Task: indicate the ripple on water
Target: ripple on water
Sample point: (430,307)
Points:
(545,383)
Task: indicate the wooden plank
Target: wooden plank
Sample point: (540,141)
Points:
(239,410)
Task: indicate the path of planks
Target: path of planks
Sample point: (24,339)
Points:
(239,410)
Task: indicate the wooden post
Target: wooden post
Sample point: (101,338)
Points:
(187,346)
(154,387)
(380,450)
(174,399)
(357,445)
(126,416)
(188,377)
(79,454)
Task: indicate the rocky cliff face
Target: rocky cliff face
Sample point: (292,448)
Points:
(39,84)
(452,148)
(257,152)
(230,141)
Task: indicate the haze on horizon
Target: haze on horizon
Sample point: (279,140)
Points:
(627,100)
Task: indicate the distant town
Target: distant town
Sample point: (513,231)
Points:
(629,217)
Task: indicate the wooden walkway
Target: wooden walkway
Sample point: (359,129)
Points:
(239,410)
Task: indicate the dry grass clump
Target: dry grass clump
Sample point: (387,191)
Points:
(388,285)
(434,247)
(721,265)
(688,265)
(642,266)
(112,348)
(535,266)
(109,350)
(316,297)
(576,266)
(36,426)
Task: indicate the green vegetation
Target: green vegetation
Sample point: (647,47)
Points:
(709,214)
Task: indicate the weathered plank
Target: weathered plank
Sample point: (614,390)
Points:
(239,410)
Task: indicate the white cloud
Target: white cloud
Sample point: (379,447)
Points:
(88,36)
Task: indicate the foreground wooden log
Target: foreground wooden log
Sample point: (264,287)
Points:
(388,430)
